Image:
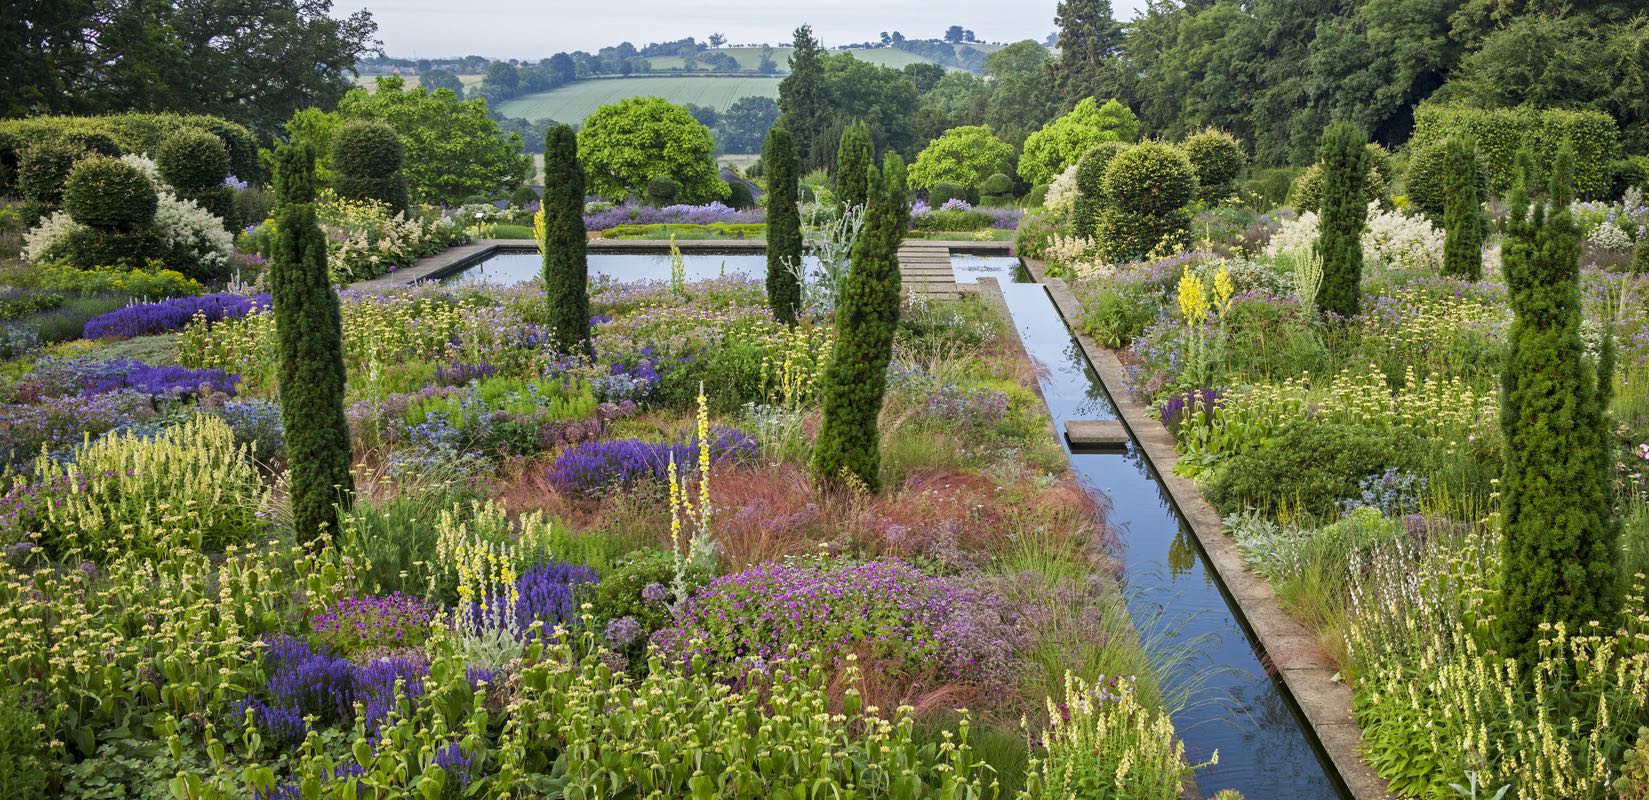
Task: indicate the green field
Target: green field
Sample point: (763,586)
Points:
(574,102)
(750,58)
(369,81)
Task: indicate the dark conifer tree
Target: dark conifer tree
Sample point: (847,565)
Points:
(801,93)
(1560,538)
(853,157)
(1090,44)
(1462,210)
(309,333)
(849,446)
(566,269)
(1346,162)
(784,224)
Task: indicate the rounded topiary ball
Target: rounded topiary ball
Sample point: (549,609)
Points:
(662,190)
(93,143)
(741,196)
(944,192)
(1425,180)
(367,150)
(109,194)
(42,168)
(1307,192)
(193,162)
(1218,159)
(1149,178)
(997,184)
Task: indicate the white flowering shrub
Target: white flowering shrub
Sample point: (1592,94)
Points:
(1608,235)
(1062,192)
(148,167)
(193,241)
(1398,240)
(1391,238)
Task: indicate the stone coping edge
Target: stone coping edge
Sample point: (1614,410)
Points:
(1286,646)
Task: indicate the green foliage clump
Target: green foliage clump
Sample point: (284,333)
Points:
(945,191)
(566,262)
(1306,193)
(1090,186)
(23,755)
(453,148)
(624,145)
(1640,257)
(867,316)
(942,220)
(109,194)
(1559,549)
(854,155)
(1463,215)
(662,190)
(784,224)
(1309,467)
(996,190)
(116,134)
(366,164)
(1035,233)
(1218,159)
(1061,142)
(195,164)
(1425,180)
(1625,173)
(964,155)
(1500,133)
(42,169)
(1146,190)
(146,282)
(309,340)
(1346,165)
(740,196)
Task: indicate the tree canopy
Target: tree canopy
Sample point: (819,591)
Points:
(1060,143)
(628,143)
(965,156)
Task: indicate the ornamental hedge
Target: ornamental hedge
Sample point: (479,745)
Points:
(1090,186)
(1501,132)
(366,164)
(107,193)
(196,163)
(131,133)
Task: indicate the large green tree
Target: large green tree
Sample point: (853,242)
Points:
(252,61)
(1061,142)
(1021,97)
(802,92)
(566,269)
(964,156)
(1560,536)
(855,382)
(628,143)
(309,345)
(784,224)
(1090,43)
(1346,163)
(744,125)
(453,149)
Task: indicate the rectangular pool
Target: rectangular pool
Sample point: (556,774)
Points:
(509,269)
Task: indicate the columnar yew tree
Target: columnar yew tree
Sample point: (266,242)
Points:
(853,158)
(784,224)
(566,270)
(1462,210)
(309,334)
(849,447)
(1559,538)
(1346,163)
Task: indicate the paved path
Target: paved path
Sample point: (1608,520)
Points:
(925,270)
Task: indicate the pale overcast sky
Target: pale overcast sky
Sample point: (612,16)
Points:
(538,28)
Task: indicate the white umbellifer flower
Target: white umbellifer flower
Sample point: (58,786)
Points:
(1610,236)
(1062,192)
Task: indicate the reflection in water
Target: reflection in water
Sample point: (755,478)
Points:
(1235,707)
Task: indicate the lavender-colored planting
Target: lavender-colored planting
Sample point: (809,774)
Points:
(145,319)
(598,466)
(709,213)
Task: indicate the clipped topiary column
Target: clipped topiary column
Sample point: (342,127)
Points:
(309,334)
(1146,190)
(1346,163)
(366,164)
(853,159)
(849,447)
(784,225)
(1560,537)
(1463,214)
(196,163)
(1090,187)
(566,267)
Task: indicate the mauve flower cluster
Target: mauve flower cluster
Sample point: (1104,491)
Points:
(886,610)
(25,429)
(632,214)
(293,790)
(569,432)
(974,408)
(357,623)
(1176,408)
(145,319)
(460,767)
(597,466)
(459,373)
(544,593)
(309,681)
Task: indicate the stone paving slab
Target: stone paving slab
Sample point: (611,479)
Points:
(1288,646)
(1107,433)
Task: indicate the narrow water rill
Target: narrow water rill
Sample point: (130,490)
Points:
(1234,705)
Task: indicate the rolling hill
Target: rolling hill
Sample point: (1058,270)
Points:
(575,101)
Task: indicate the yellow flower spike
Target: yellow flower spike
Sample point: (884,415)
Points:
(1223,290)
(1193,298)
